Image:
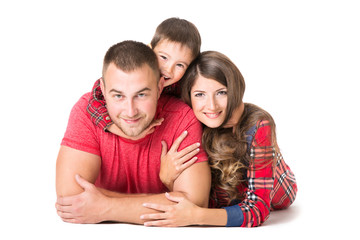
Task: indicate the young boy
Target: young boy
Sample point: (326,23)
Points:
(176,43)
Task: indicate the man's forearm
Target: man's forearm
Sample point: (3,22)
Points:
(112,194)
(128,208)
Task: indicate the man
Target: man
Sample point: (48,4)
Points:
(105,177)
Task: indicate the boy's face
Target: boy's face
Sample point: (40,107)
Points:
(174,59)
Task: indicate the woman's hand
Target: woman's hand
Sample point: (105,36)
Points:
(181,214)
(150,129)
(173,163)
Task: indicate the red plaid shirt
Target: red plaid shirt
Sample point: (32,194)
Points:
(267,187)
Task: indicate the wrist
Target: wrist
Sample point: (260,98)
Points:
(168,183)
(106,214)
(199,216)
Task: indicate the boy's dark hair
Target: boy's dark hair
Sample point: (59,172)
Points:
(131,55)
(178,30)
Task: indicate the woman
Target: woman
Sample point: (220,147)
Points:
(249,175)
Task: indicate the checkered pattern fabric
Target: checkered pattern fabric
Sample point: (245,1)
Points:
(285,188)
(268,187)
(97,108)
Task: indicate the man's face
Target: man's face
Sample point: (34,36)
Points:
(131,98)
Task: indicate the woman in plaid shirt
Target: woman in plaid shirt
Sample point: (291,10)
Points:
(249,175)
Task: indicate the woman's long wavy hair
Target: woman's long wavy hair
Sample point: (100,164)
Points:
(229,158)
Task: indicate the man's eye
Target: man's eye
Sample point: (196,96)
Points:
(118,96)
(141,95)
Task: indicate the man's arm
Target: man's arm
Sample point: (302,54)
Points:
(71,162)
(93,206)
(194,183)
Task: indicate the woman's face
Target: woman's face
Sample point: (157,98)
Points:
(209,101)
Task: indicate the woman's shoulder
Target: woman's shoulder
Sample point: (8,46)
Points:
(263,133)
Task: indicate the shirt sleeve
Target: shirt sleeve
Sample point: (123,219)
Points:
(194,129)
(96,108)
(81,132)
(255,208)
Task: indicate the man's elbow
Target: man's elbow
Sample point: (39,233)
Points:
(195,184)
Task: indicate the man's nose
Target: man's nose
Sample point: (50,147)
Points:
(131,109)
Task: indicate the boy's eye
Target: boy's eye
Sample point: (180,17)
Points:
(163,57)
(180,65)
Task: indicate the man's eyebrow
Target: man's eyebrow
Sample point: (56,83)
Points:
(116,91)
(144,89)
(121,92)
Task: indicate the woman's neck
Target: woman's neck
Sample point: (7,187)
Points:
(235,117)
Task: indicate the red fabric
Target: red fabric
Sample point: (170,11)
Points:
(267,187)
(132,166)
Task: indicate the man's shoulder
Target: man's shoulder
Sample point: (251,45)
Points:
(84,99)
(172,104)
(175,111)
(80,107)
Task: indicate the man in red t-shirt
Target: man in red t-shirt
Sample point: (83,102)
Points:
(104,177)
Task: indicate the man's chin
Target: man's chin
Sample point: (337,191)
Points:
(133,134)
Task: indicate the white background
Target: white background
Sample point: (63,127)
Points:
(300,60)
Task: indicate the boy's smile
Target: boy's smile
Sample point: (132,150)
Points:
(174,59)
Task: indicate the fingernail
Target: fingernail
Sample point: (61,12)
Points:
(198,144)
(185,132)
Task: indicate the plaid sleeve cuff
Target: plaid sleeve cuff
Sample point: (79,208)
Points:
(235,216)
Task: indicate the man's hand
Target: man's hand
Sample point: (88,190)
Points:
(89,206)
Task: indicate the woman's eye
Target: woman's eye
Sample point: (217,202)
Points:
(222,93)
(180,65)
(199,94)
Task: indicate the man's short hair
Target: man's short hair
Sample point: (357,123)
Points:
(131,55)
(179,31)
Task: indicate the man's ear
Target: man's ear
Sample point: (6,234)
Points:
(102,86)
(161,86)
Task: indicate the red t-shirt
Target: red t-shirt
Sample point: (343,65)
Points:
(132,166)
